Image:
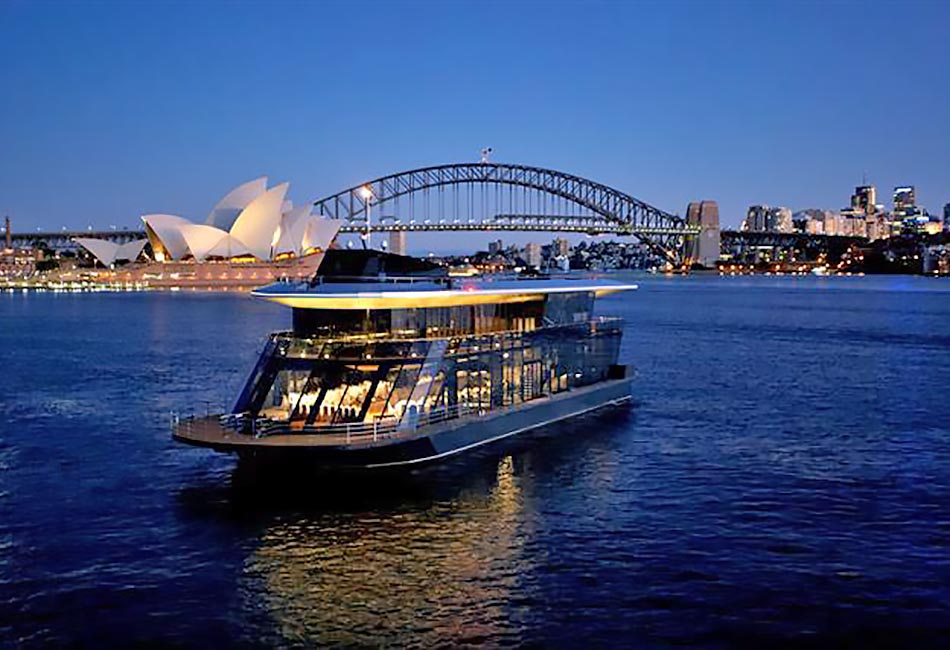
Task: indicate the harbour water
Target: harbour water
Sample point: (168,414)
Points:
(783,477)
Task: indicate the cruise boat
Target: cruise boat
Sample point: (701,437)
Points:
(393,363)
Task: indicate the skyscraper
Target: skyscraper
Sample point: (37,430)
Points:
(864,199)
(946,218)
(532,254)
(876,227)
(562,247)
(705,249)
(762,218)
(754,218)
(905,198)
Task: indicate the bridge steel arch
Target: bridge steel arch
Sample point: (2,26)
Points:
(665,233)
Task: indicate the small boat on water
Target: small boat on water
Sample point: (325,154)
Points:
(393,363)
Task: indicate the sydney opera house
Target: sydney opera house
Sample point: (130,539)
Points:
(253,236)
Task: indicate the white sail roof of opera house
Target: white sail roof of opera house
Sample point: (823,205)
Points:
(300,231)
(249,220)
(108,253)
(207,241)
(226,212)
(258,224)
(292,229)
(164,230)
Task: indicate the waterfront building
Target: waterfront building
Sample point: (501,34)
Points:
(895,225)
(854,225)
(252,237)
(755,217)
(532,255)
(864,199)
(916,220)
(902,216)
(9,235)
(876,227)
(905,198)
(800,221)
(251,221)
(19,263)
(782,219)
(814,227)
(561,247)
(809,222)
(762,218)
(397,242)
(832,223)
(946,217)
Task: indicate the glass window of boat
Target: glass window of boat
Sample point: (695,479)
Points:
(403,380)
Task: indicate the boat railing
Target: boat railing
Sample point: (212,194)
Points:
(347,432)
(439,279)
(303,347)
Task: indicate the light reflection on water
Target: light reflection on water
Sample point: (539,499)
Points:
(442,574)
(431,557)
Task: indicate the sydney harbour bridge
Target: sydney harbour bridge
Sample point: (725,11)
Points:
(499,197)
(482,196)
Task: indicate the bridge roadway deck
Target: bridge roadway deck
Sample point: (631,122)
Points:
(64,239)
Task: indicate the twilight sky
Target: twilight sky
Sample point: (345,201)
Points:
(109,111)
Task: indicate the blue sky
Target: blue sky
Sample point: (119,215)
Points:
(111,110)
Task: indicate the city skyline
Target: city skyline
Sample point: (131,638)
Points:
(109,120)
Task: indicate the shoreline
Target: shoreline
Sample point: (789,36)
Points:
(40,286)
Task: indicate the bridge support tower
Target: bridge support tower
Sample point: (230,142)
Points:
(703,249)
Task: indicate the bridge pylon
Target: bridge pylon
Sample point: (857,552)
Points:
(703,248)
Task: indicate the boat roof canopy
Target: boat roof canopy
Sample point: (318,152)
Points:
(392,294)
